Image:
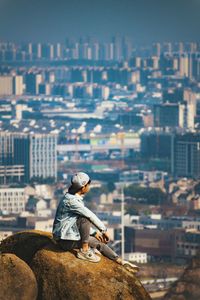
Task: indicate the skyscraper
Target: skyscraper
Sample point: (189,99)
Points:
(174,115)
(18,86)
(11,170)
(185,158)
(167,115)
(6,85)
(32,83)
(43,158)
(27,156)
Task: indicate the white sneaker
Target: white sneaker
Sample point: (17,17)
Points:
(96,251)
(88,255)
(131,266)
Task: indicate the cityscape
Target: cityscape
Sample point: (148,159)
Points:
(127,115)
(111,89)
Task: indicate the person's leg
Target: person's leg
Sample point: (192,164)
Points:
(85,252)
(84,225)
(103,248)
(108,252)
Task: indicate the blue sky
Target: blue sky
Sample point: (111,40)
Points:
(142,20)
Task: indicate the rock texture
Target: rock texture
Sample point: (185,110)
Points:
(187,287)
(17,281)
(60,275)
(25,244)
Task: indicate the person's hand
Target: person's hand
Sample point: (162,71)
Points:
(105,237)
(99,237)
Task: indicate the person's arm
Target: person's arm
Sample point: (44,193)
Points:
(79,208)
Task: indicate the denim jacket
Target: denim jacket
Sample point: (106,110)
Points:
(69,209)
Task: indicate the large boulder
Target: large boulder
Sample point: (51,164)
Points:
(17,280)
(60,275)
(25,244)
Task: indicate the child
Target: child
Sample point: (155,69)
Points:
(73,222)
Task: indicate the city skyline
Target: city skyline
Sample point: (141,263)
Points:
(143,21)
(88,92)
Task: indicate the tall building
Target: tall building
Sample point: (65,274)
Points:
(43,158)
(32,83)
(184,65)
(21,153)
(95,51)
(6,148)
(11,170)
(185,155)
(24,157)
(117,48)
(157,49)
(168,48)
(47,51)
(156,144)
(6,85)
(58,51)
(18,85)
(45,89)
(167,115)
(174,115)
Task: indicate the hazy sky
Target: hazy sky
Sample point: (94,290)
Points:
(143,20)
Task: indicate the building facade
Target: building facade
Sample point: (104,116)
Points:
(12,200)
(27,156)
(185,157)
(43,158)
(6,85)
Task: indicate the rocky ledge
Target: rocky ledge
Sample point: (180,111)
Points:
(45,272)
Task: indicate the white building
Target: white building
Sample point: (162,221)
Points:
(138,257)
(44,225)
(12,200)
(18,85)
(6,85)
(43,156)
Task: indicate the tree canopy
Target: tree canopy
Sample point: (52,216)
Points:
(153,196)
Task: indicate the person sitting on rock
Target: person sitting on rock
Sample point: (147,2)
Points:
(73,222)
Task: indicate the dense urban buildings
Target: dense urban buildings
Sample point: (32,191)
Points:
(25,157)
(128,115)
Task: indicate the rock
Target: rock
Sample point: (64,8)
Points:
(17,280)
(25,244)
(60,275)
(187,287)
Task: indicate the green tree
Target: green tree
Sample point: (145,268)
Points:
(153,196)
(111,186)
